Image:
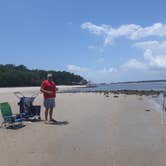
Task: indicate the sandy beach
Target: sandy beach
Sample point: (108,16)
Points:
(102,131)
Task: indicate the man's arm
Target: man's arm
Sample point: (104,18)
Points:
(45,91)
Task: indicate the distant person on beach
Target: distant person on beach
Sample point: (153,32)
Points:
(48,88)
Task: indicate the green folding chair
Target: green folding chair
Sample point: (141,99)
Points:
(9,119)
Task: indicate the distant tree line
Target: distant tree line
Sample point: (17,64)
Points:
(13,76)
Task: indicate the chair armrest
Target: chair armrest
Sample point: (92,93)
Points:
(9,118)
(18,115)
(13,116)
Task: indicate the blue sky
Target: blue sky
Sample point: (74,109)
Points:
(102,40)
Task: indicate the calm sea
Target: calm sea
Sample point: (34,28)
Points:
(157,86)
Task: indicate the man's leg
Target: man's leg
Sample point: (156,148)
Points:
(52,105)
(51,113)
(46,105)
(46,114)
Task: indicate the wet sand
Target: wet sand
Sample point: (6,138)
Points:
(102,131)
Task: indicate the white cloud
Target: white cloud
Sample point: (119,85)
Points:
(98,30)
(74,68)
(98,75)
(152,61)
(155,61)
(111,74)
(112,69)
(134,64)
(130,31)
(145,44)
(107,70)
(156,46)
(154,53)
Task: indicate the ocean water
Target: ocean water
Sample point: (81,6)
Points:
(157,86)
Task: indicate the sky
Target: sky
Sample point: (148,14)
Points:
(101,40)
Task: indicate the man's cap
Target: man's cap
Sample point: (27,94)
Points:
(49,75)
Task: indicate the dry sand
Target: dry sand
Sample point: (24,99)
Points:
(102,131)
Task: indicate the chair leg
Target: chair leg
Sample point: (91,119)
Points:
(21,124)
(4,125)
(11,125)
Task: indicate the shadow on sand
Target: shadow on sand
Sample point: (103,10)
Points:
(60,123)
(16,127)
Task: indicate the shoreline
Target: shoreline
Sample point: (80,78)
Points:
(127,92)
(78,89)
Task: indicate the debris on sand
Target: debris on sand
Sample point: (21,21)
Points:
(106,93)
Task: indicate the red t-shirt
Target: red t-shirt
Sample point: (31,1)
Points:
(50,86)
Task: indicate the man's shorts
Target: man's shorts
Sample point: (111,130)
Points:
(49,103)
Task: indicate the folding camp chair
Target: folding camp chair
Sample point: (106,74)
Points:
(28,111)
(10,119)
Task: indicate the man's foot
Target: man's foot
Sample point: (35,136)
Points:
(54,121)
(48,122)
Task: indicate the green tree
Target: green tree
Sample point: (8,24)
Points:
(13,76)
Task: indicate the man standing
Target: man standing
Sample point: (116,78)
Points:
(48,87)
